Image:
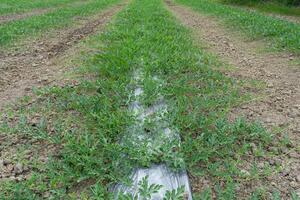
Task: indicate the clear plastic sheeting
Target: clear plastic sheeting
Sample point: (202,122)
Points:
(162,135)
(157,174)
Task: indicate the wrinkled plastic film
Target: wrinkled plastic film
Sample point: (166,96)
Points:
(161,175)
(158,174)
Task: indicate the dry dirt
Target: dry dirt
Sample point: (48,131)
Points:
(37,65)
(41,64)
(280,102)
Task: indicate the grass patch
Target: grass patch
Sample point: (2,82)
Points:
(12,32)
(281,35)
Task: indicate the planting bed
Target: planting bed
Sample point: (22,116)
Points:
(147,100)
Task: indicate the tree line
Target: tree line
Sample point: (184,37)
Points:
(285,2)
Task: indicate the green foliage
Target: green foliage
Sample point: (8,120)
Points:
(145,192)
(281,34)
(176,194)
(284,2)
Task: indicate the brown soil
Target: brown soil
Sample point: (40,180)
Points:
(37,65)
(13,17)
(15,162)
(279,105)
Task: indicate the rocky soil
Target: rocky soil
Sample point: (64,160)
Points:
(16,164)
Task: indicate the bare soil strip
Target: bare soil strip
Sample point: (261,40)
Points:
(285,17)
(35,67)
(13,17)
(293,19)
(280,106)
(19,16)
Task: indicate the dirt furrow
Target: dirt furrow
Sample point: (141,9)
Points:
(280,102)
(13,17)
(293,19)
(286,18)
(19,16)
(36,66)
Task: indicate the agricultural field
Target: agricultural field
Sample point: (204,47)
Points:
(149,99)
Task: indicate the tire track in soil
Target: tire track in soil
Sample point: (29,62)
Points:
(13,17)
(19,16)
(286,18)
(280,107)
(36,67)
(289,18)
(292,19)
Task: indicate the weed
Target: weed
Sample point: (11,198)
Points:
(145,192)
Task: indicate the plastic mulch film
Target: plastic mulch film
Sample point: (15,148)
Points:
(161,175)
(162,136)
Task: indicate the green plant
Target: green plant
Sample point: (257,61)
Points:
(176,194)
(145,192)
